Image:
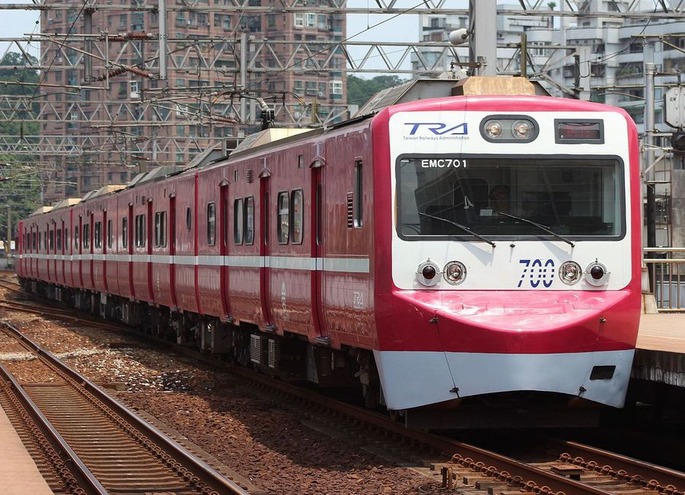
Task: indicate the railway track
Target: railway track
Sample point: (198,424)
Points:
(459,467)
(91,444)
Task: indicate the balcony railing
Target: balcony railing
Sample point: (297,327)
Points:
(666,267)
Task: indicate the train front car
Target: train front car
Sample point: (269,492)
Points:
(513,290)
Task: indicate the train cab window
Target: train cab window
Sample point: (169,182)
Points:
(459,198)
(283,223)
(211,224)
(124,232)
(249,221)
(160,229)
(297,216)
(238,221)
(97,235)
(139,233)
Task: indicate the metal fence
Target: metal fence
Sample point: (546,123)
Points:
(666,268)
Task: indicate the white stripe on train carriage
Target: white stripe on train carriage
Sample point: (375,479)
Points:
(298,263)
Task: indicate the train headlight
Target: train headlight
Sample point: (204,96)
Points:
(493,129)
(454,272)
(522,129)
(596,274)
(570,272)
(509,129)
(428,273)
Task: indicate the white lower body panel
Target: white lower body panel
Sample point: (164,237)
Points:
(412,379)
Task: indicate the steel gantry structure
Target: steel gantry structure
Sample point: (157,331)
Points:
(124,87)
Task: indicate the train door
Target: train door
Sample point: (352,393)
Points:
(223,247)
(316,242)
(104,236)
(150,225)
(172,248)
(264,251)
(128,232)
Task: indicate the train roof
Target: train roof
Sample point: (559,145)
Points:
(40,210)
(157,173)
(66,203)
(422,89)
(268,136)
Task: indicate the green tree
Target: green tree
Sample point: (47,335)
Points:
(19,176)
(17,81)
(359,90)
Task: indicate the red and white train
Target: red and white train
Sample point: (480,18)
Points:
(462,260)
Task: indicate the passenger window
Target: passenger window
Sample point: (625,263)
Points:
(283,224)
(124,232)
(211,224)
(297,210)
(238,221)
(249,220)
(160,229)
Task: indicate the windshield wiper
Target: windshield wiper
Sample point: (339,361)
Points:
(459,226)
(540,226)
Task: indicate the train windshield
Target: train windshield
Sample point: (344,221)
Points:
(463,197)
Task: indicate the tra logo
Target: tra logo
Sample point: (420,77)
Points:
(437,129)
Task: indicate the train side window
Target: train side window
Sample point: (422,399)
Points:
(283,217)
(58,232)
(33,241)
(110,234)
(189,219)
(297,212)
(77,240)
(249,220)
(86,236)
(97,235)
(139,233)
(52,240)
(238,221)
(66,238)
(356,207)
(124,232)
(211,224)
(160,229)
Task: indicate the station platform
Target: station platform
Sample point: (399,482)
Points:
(660,349)
(19,475)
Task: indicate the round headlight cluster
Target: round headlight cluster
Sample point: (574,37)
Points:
(428,273)
(596,274)
(570,272)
